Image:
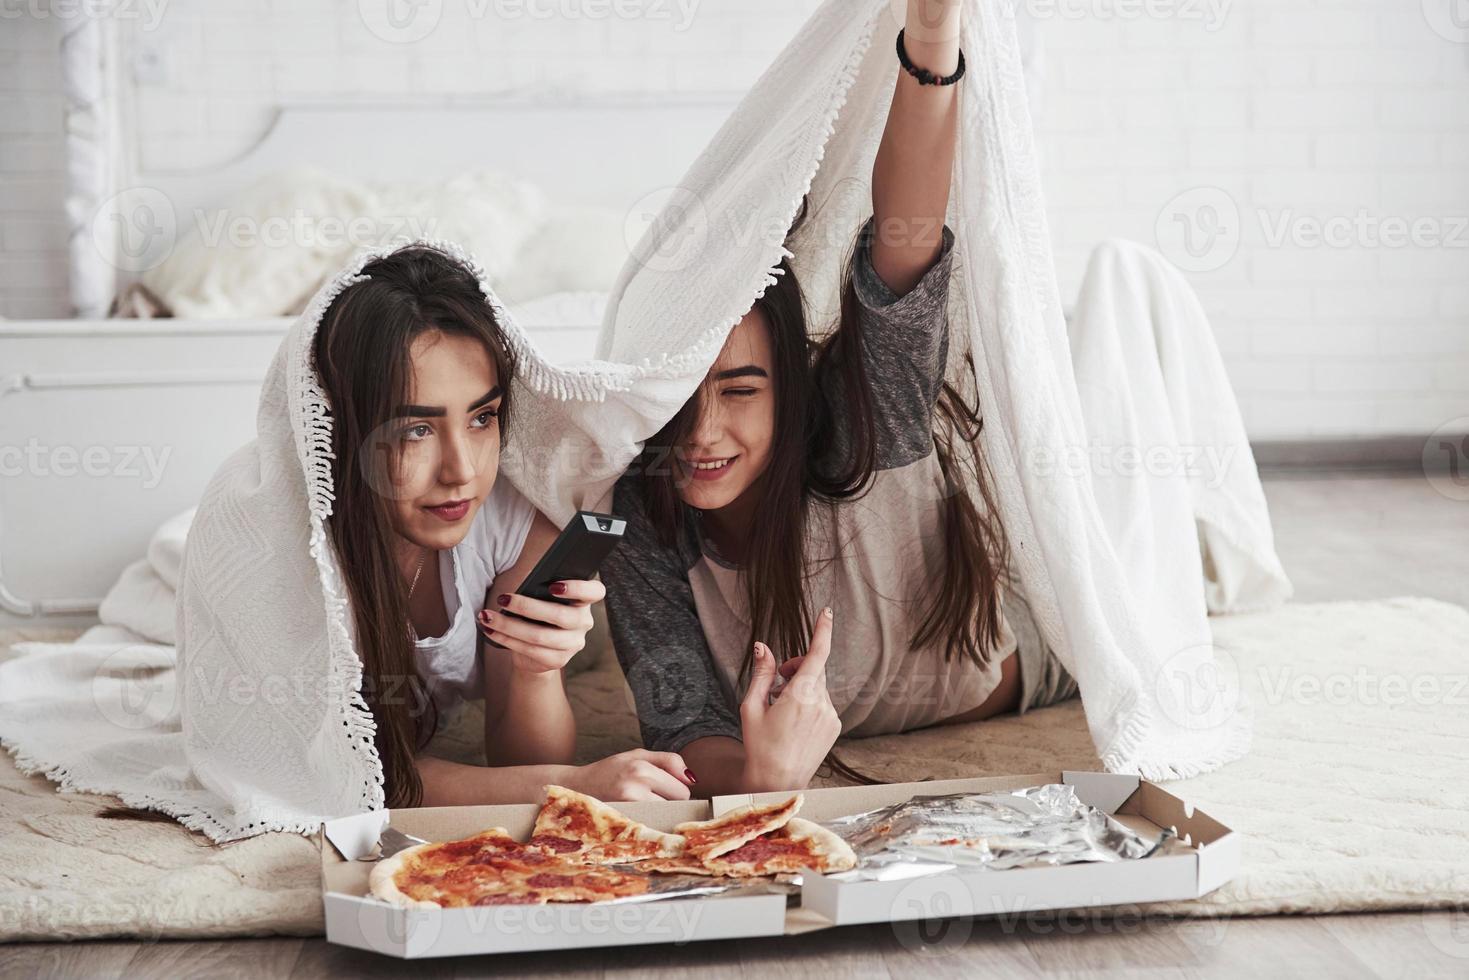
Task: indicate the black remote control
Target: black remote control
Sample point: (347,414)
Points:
(576,554)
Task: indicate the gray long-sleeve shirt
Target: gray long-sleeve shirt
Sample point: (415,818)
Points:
(678,617)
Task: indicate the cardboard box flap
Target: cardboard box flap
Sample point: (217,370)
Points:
(1220,850)
(355,836)
(1106,791)
(1193,827)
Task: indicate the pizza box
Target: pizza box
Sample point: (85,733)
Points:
(1203,855)
(353,918)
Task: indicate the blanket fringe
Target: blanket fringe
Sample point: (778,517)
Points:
(312,424)
(193,818)
(1126,753)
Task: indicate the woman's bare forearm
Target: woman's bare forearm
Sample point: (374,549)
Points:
(448,783)
(915,162)
(536,725)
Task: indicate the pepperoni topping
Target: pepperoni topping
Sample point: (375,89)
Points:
(560,845)
(577,820)
(458,850)
(765,848)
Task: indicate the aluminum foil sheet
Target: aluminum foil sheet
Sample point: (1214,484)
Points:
(1036,827)
(665,886)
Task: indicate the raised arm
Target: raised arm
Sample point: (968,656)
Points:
(915,162)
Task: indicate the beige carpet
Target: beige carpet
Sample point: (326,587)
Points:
(1354,797)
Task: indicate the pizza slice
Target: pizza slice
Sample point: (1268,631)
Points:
(710,838)
(458,874)
(573,824)
(794,847)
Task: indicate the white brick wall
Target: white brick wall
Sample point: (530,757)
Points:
(1293,115)
(1297,112)
(32,226)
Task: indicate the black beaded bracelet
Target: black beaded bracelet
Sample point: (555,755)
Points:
(924,76)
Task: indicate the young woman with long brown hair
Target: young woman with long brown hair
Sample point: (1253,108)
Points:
(811,497)
(417,375)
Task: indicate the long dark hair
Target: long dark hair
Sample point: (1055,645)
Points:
(361,353)
(823,399)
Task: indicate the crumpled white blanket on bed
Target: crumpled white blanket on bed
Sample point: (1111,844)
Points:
(1157,403)
(102,712)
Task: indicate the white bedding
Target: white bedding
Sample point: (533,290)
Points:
(265,253)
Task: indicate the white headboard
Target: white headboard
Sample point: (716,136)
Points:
(109,427)
(606,151)
(609,153)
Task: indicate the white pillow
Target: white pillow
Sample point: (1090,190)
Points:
(231,262)
(267,253)
(575,250)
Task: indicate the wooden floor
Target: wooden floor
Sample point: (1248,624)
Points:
(1341,536)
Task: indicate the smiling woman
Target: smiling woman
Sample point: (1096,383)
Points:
(812,494)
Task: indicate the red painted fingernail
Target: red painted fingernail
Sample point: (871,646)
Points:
(689,775)
(558,588)
(504,600)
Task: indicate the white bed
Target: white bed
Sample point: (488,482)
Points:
(108,427)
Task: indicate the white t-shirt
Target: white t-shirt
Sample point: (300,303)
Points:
(448,664)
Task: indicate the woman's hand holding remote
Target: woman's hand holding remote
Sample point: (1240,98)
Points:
(543,636)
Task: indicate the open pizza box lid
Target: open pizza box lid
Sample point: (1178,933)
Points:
(1204,855)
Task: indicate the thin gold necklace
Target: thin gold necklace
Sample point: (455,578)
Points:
(417,572)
